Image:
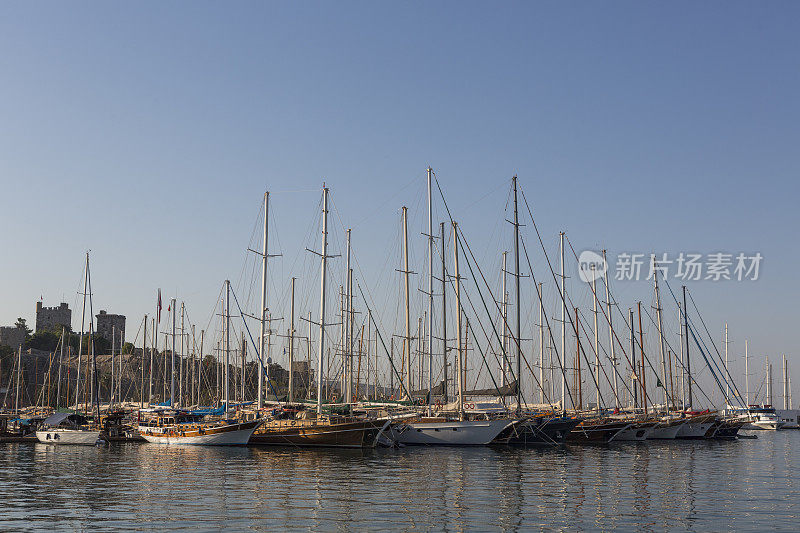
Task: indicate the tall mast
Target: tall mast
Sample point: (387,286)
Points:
(444,317)
(517,304)
(153,343)
(634,373)
(343,341)
(226,368)
(769,379)
(172,371)
(243,377)
(504,322)
(350,337)
(263,314)
(113,343)
(80,337)
(563,355)
(596,340)
(407,346)
(641,349)
(144,358)
(60,364)
(180,359)
(430,291)
(539,290)
(291,347)
(200,364)
(683,363)
(727,372)
(578,381)
(347,352)
(785,382)
(95,389)
(195,390)
(19,371)
(321,352)
(688,359)
(611,336)
(746,377)
(460,361)
(661,338)
(119,380)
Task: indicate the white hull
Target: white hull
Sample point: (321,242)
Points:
(633,433)
(68,436)
(449,433)
(238,437)
(692,430)
(769,426)
(665,432)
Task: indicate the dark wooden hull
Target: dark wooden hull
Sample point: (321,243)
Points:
(728,429)
(590,431)
(538,431)
(313,433)
(10,437)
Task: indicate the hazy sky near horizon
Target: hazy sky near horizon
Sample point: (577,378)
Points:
(148,132)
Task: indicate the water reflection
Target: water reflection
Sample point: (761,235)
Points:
(644,486)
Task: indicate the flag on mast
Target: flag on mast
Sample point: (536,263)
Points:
(158,306)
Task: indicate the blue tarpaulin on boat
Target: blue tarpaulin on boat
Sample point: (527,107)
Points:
(208,411)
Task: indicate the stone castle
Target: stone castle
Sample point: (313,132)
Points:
(52,317)
(108,325)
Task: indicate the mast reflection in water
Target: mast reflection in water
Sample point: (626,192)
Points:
(703,485)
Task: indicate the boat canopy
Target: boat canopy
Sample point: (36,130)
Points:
(57,419)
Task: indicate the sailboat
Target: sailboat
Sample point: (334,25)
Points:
(307,427)
(455,425)
(177,427)
(72,428)
(180,427)
(67,428)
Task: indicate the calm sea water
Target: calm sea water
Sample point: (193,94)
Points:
(705,485)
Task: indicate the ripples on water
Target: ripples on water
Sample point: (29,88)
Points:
(704,485)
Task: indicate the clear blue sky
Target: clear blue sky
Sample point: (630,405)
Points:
(147,133)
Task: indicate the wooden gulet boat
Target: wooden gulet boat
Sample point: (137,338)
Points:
(598,430)
(328,431)
(179,428)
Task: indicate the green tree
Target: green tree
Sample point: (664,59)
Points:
(7,355)
(44,340)
(21,324)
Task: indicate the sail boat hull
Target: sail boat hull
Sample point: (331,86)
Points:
(449,433)
(538,431)
(69,436)
(223,435)
(638,431)
(697,427)
(597,431)
(323,433)
(667,429)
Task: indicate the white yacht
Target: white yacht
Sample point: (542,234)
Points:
(763,417)
(67,428)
